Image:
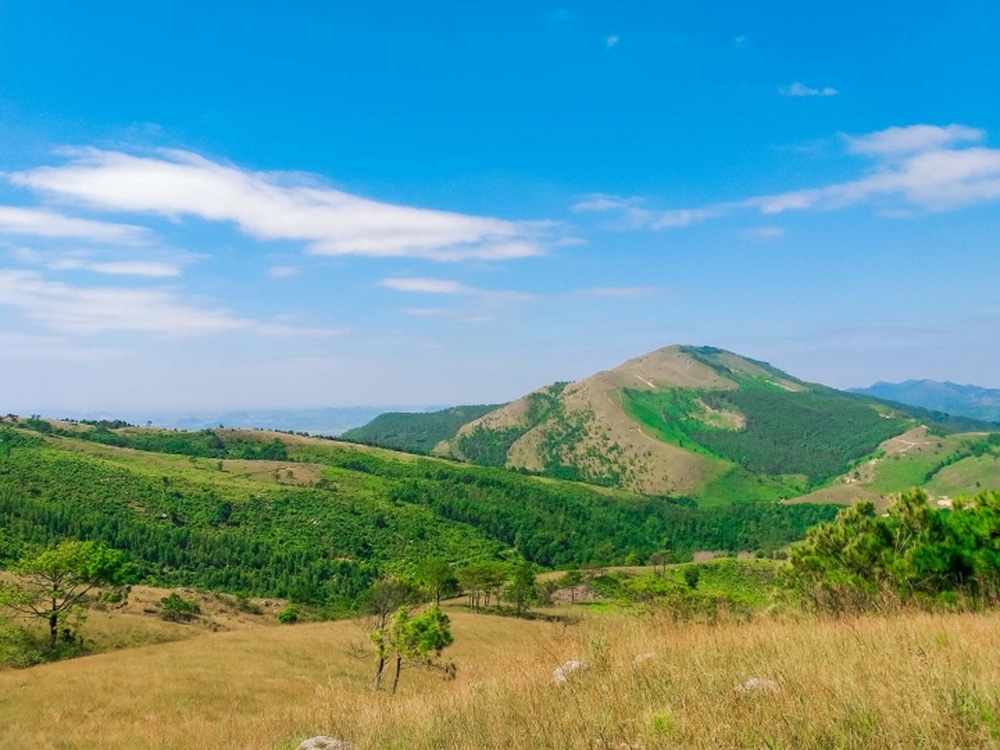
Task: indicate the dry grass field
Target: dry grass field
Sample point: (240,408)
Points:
(900,681)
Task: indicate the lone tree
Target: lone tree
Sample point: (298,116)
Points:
(53,582)
(377,608)
(415,639)
(521,589)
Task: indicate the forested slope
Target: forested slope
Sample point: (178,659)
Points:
(321,523)
(415,431)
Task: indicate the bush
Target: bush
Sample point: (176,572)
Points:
(691,576)
(175,608)
(289,615)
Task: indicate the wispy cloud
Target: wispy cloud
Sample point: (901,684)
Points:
(427,286)
(277,206)
(90,310)
(83,260)
(921,166)
(614,292)
(631,209)
(912,139)
(447,286)
(425,311)
(149,268)
(764,233)
(612,41)
(283,272)
(800,89)
(43,223)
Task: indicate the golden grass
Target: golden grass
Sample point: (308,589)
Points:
(904,681)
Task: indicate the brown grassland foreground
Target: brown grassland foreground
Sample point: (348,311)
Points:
(905,680)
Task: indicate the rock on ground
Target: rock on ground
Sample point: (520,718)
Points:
(561,674)
(324,743)
(757,685)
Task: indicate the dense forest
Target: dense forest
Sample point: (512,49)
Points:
(811,432)
(203,521)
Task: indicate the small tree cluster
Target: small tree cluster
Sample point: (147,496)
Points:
(483,582)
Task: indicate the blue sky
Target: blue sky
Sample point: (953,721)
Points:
(303,204)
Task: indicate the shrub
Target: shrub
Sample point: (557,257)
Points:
(175,608)
(289,615)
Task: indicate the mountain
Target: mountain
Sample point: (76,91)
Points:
(951,398)
(417,432)
(695,421)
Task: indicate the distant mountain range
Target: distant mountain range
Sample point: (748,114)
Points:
(952,398)
(321,421)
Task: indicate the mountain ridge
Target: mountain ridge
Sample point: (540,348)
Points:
(697,421)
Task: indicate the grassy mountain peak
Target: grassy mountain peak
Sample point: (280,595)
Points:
(697,421)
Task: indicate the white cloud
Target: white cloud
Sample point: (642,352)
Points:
(682,217)
(425,311)
(614,292)
(935,180)
(764,233)
(612,41)
(273,206)
(630,208)
(43,223)
(920,166)
(282,272)
(92,310)
(800,89)
(603,202)
(82,260)
(77,310)
(913,139)
(427,286)
(447,286)
(152,269)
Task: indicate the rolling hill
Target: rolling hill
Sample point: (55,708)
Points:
(318,520)
(694,421)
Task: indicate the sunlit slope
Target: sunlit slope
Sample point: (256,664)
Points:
(320,519)
(650,682)
(945,466)
(694,421)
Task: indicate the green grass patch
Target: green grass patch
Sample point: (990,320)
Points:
(737,485)
(967,476)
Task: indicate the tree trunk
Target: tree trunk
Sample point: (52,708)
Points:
(395,679)
(378,672)
(53,629)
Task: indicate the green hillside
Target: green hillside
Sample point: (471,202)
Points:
(322,522)
(809,432)
(696,421)
(416,432)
